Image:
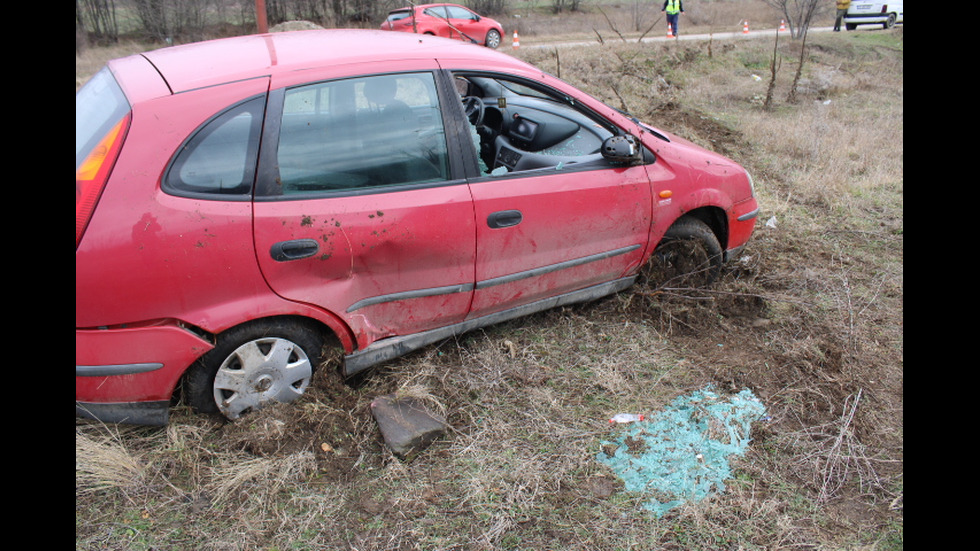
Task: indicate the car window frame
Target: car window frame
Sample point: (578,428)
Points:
(433,11)
(542,91)
(255,139)
(267,188)
(454,12)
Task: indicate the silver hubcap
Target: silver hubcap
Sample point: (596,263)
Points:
(261,371)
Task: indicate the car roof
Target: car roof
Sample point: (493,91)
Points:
(213,62)
(423,6)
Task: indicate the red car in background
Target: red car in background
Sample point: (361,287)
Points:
(242,205)
(448,20)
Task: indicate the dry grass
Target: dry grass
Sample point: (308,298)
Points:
(810,319)
(104,462)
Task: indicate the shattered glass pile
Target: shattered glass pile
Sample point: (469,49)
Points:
(681,453)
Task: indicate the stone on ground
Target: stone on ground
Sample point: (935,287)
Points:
(406,425)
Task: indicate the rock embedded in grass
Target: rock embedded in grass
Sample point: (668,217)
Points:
(406,425)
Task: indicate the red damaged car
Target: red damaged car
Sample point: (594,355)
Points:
(242,205)
(448,20)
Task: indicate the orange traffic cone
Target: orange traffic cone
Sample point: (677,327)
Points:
(670,33)
(745,27)
(517,41)
(782,25)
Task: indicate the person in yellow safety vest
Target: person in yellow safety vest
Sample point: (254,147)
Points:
(674,9)
(842,6)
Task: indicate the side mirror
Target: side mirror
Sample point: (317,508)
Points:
(622,150)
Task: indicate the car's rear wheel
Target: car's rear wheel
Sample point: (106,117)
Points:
(688,256)
(493,39)
(890,22)
(253,365)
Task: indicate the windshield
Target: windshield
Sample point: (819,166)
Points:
(99,105)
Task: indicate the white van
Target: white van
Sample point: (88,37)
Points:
(886,14)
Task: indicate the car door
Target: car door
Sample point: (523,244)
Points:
(439,22)
(358,210)
(548,229)
(465,24)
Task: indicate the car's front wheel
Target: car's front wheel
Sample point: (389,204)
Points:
(493,39)
(253,365)
(688,256)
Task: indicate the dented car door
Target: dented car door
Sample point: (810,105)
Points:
(552,215)
(358,210)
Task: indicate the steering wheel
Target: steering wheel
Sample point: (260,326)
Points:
(474,108)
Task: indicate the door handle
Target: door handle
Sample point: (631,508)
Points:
(284,251)
(505,219)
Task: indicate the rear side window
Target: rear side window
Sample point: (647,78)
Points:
(363,133)
(219,159)
(99,105)
(398,15)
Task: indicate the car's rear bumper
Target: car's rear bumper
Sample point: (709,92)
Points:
(128,375)
(155,413)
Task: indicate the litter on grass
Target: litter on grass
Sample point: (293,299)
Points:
(681,453)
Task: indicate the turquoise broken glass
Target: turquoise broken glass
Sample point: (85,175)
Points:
(681,454)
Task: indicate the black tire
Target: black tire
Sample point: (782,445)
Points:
(493,39)
(254,364)
(688,256)
(890,22)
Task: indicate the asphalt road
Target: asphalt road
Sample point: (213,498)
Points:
(764,33)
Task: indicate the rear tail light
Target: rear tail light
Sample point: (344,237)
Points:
(91,175)
(884,8)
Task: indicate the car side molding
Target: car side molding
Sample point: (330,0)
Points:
(394,347)
(116,370)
